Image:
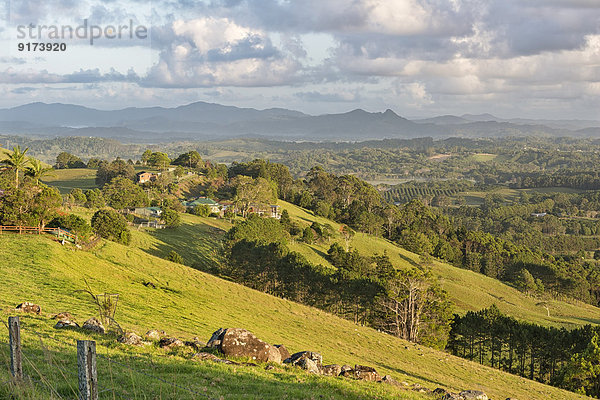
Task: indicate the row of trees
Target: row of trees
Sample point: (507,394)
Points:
(568,359)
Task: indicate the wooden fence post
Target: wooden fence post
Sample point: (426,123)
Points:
(16,357)
(88,374)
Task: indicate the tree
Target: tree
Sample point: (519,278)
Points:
(308,236)
(118,168)
(111,225)
(525,281)
(16,161)
(67,160)
(201,210)
(122,193)
(191,159)
(171,217)
(415,308)
(582,372)
(252,192)
(159,160)
(74,223)
(94,199)
(37,170)
(78,197)
(146,156)
(29,205)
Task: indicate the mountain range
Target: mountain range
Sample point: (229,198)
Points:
(206,121)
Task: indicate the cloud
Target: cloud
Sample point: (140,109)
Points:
(342,96)
(210,51)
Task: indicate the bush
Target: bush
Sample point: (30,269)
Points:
(171,218)
(112,226)
(74,224)
(173,256)
(201,210)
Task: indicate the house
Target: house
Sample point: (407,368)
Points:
(144,177)
(539,215)
(149,212)
(214,207)
(271,211)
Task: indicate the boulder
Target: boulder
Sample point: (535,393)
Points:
(285,354)
(451,396)
(94,325)
(28,307)
(169,342)
(390,381)
(331,370)
(473,395)
(365,373)
(236,342)
(216,338)
(131,338)
(155,334)
(308,360)
(66,324)
(345,368)
(62,315)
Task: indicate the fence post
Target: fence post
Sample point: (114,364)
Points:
(88,374)
(16,357)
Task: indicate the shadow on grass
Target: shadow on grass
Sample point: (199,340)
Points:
(199,245)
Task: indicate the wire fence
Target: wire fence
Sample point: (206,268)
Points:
(53,370)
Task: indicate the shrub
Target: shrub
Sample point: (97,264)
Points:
(201,210)
(174,256)
(112,226)
(74,224)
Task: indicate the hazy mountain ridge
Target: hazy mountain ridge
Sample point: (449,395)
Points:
(202,120)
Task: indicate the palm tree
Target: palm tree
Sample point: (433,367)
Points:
(37,170)
(16,161)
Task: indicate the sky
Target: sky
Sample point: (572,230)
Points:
(511,58)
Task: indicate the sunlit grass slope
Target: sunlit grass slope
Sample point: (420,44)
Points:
(188,303)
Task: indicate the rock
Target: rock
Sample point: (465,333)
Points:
(205,356)
(62,315)
(269,367)
(169,342)
(308,360)
(366,373)
(236,342)
(390,381)
(473,395)
(28,307)
(331,370)
(155,334)
(345,368)
(66,324)
(451,396)
(216,338)
(195,343)
(131,338)
(94,325)
(285,354)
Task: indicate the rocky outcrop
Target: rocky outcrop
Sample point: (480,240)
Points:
(169,342)
(66,324)
(331,370)
(216,338)
(63,315)
(363,373)
(308,360)
(94,325)
(473,395)
(238,342)
(155,334)
(131,339)
(195,343)
(28,307)
(390,381)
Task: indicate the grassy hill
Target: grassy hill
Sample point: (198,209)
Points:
(187,303)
